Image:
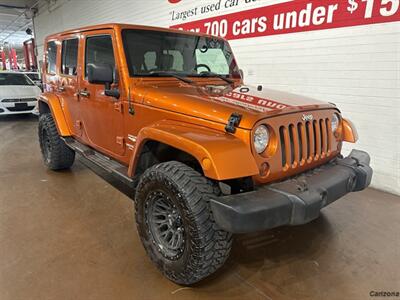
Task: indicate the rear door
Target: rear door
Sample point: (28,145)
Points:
(67,85)
(102,115)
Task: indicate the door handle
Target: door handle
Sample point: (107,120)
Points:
(84,93)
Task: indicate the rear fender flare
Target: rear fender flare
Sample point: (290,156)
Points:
(54,105)
(222,156)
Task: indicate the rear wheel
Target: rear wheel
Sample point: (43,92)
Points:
(56,154)
(176,225)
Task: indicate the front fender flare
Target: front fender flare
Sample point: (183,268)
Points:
(222,156)
(53,102)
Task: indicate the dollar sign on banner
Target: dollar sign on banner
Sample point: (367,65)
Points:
(353,6)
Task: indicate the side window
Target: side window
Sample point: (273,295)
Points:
(69,58)
(51,53)
(99,50)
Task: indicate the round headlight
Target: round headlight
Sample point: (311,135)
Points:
(261,139)
(335,122)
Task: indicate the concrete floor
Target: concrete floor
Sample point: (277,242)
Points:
(71,235)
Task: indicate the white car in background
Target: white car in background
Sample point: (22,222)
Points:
(18,94)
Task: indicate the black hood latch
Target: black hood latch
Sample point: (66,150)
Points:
(233,122)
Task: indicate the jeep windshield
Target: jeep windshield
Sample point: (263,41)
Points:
(169,54)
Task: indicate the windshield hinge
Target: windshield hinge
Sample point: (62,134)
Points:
(131,109)
(233,122)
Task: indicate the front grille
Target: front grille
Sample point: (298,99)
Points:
(18,100)
(305,142)
(22,108)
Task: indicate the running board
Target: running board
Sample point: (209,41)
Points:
(105,163)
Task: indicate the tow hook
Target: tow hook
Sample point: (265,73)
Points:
(233,122)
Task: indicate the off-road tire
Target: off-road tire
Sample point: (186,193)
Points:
(56,154)
(206,246)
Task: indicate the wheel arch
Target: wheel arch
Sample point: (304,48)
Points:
(213,151)
(50,103)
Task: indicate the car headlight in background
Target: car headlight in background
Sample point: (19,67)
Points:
(335,122)
(261,138)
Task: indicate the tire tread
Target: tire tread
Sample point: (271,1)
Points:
(212,245)
(62,157)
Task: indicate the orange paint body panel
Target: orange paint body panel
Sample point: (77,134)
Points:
(207,146)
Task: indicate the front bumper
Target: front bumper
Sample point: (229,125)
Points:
(296,201)
(20,107)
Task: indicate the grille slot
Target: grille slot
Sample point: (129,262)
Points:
(305,142)
(18,100)
(283,145)
(24,108)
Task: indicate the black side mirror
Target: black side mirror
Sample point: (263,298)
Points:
(100,74)
(103,74)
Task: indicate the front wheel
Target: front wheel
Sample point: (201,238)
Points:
(56,154)
(176,225)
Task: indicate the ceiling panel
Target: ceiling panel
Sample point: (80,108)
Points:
(13,21)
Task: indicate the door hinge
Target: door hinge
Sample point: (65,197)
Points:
(120,141)
(118,106)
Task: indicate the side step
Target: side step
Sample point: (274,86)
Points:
(105,163)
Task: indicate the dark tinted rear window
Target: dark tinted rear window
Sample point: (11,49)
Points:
(14,79)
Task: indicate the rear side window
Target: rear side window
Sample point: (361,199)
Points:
(99,50)
(69,58)
(51,52)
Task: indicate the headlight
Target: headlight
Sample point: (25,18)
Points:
(261,139)
(335,122)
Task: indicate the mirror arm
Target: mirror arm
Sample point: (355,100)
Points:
(108,91)
(112,93)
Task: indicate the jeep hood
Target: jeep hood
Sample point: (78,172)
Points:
(218,103)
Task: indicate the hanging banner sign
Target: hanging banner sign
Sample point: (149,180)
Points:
(295,16)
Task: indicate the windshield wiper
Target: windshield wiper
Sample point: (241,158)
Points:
(212,74)
(166,73)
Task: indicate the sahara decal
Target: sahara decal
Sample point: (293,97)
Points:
(251,102)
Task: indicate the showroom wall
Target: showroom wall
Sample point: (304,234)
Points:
(347,53)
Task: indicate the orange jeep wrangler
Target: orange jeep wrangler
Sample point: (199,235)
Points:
(207,156)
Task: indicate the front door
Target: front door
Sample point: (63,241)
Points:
(101,115)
